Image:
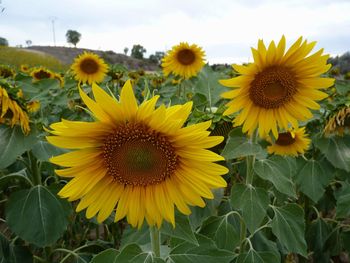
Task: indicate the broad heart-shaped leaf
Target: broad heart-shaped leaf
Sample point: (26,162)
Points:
(318,234)
(209,86)
(252,201)
(182,229)
(219,228)
(132,253)
(206,252)
(336,150)
(238,145)
(288,226)
(10,253)
(257,257)
(14,143)
(312,179)
(273,171)
(343,201)
(134,235)
(43,150)
(36,215)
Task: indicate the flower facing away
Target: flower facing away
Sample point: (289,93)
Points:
(279,88)
(33,106)
(183,60)
(290,143)
(41,73)
(339,122)
(136,159)
(11,113)
(90,68)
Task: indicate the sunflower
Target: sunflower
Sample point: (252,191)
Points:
(11,113)
(290,143)
(183,60)
(89,67)
(339,122)
(279,88)
(137,159)
(24,68)
(41,73)
(33,106)
(6,72)
(60,79)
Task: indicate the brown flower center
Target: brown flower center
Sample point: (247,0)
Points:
(42,74)
(285,139)
(186,57)
(273,87)
(89,66)
(136,155)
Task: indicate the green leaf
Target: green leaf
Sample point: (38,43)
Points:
(16,177)
(182,229)
(288,226)
(14,143)
(134,235)
(221,231)
(114,256)
(342,86)
(343,201)
(271,170)
(209,86)
(336,150)
(108,255)
(10,253)
(238,145)
(257,257)
(318,234)
(206,252)
(146,257)
(252,201)
(43,150)
(312,179)
(36,215)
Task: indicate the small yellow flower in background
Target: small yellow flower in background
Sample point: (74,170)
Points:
(11,113)
(90,68)
(292,143)
(136,159)
(59,78)
(24,68)
(183,60)
(41,73)
(279,88)
(7,72)
(33,106)
(338,123)
(20,94)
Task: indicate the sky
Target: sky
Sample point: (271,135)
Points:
(225,29)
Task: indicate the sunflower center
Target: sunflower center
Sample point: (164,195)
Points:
(273,87)
(42,74)
(89,66)
(285,139)
(136,155)
(186,57)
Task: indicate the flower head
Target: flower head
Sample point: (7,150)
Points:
(279,88)
(183,60)
(90,68)
(136,159)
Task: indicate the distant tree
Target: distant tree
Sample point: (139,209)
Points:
(73,37)
(137,51)
(126,50)
(3,42)
(29,42)
(157,57)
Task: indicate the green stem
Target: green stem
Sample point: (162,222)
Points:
(250,160)
(36,175)
(155,240)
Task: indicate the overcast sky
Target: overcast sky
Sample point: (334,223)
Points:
(225,29)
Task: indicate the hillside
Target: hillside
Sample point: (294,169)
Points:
(66,55)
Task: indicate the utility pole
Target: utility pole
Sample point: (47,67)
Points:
(53,29)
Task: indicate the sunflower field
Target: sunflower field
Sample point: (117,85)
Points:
(189,164)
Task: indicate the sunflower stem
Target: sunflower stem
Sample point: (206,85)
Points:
(35,171)
(250,160)
(155,240)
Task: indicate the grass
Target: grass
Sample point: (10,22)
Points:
(16,57)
